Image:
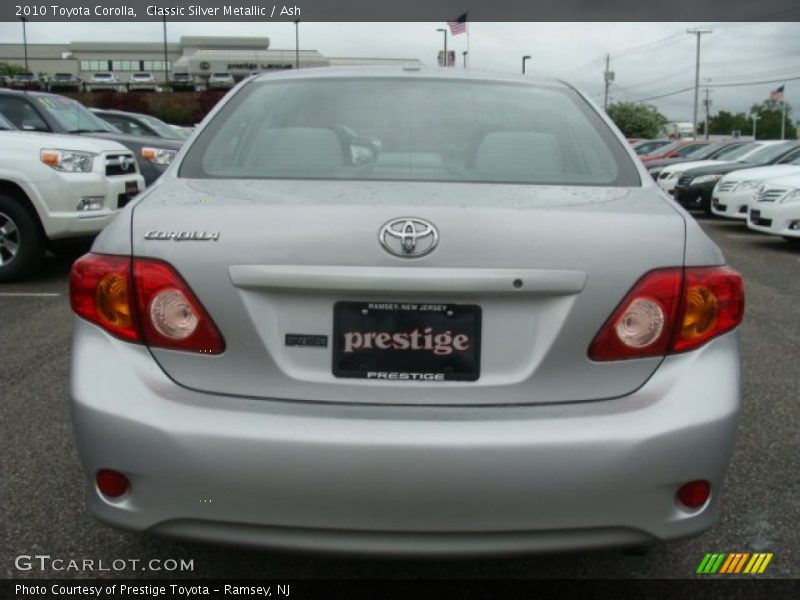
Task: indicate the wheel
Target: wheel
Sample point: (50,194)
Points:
(21,241)
(793,241)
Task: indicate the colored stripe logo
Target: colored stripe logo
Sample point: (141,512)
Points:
(734,563)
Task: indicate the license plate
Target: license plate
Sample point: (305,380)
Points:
(406,341)
(755,215)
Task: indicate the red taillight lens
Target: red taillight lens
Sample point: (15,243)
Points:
(671,310)
(642,324)
(171,315)
(142,300)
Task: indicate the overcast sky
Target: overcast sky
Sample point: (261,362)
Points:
(649,59)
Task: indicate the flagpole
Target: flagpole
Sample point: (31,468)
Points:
(783,115)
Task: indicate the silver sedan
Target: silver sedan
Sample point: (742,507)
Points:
(406,311)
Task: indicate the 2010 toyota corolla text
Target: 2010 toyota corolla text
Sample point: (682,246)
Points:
(572,381)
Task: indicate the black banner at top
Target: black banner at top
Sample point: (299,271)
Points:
(407,10)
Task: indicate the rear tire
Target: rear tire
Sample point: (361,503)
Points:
(21,241)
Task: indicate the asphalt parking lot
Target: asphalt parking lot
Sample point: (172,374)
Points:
(42,492)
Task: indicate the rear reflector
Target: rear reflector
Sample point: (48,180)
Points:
(112,483)
(694,494)
(671,310)
(144,301)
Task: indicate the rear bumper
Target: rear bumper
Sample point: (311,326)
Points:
(408,480)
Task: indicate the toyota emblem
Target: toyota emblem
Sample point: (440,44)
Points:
(408,237)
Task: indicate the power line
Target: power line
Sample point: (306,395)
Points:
(716,85)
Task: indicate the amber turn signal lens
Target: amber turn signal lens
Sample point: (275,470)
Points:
(112,299)
(50,157)
(700,312)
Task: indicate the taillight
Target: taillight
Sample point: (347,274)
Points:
(142,300)
(170,313)
(100,292)
(671,310)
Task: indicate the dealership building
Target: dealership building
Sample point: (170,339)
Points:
(198,55)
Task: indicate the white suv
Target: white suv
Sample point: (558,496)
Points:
(54,187)
(143,82)
(104,81)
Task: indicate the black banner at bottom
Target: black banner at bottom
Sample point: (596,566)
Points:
(312,589)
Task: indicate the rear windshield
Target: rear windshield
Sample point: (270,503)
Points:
(767,153)
(702,151)
(410,130)
(737,151)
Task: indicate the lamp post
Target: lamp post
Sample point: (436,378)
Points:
(524,59)
(444,57)
(297,44)
(464,53)
(25,41)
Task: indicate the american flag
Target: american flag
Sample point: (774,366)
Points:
(777,94)
(459,25)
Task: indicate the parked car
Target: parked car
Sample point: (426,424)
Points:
(776,208)
(100,82)
(694,187)
(138,124)
(182,82)
(38,111)
(56,187)
(65,82)
(647,146)
(669,175)
(221,81)
(734,193)
(489,333)
(676,149)
(26,81)
(143,82)
(717,151)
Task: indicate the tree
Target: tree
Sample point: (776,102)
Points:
(10,70)
(769,120)
(637,120)
(725,123)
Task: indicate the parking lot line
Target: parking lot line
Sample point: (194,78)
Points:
(28,294)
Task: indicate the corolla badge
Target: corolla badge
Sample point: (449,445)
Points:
(182,236)
(408,237)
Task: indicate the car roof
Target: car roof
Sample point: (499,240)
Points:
(116,111)
(410,70)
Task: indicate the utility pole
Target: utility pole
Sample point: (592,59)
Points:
(707,103)
(608,77)
(755,118)
(166,59)
(698,33)
(25,41)
(297,44)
